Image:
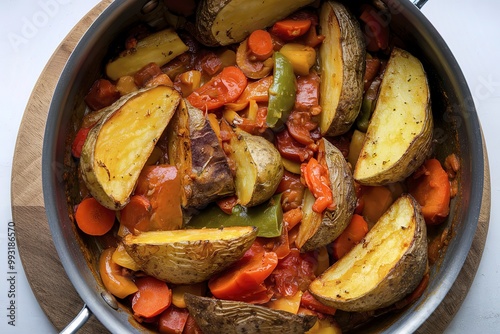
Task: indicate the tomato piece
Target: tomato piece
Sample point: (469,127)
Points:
(244,280)
(227,204)
(317,180)
(156,203)
(77,145)
(225,87)
(293,273)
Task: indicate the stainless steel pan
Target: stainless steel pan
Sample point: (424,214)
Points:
(456,124)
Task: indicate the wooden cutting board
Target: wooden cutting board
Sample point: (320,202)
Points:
(52,288)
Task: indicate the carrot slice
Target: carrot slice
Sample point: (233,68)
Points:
(260,45)
(352,235)
(152,298)
(246,276)
(93,218)
(290,29)
(430,186)
(225,87)
(376,200)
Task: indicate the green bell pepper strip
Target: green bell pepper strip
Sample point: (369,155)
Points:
(368,105)
(267,217)
(281,92)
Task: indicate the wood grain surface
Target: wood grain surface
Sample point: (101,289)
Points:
(53,290)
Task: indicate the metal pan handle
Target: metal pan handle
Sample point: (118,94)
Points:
(82,317)
(419,3)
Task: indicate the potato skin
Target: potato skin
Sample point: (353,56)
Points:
(189,261)
(269,168)
(216,316)
(193,147)
(257,185)
(402,119)
(234,20)
(340,98)
(136,139)
(334,222)
(399,280)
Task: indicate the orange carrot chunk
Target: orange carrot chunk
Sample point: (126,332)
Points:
(430,186)
(173,320)
(290,29)
(350,237)
(376,200)
(153,297)
(102,94)
(93,218)
(260,45)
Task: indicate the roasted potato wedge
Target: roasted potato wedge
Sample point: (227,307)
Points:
(258,167)
(342,61)
(319,229)
(133,124)
(159,48)
(216,316)
(231,21)
(399,134)
(194,148)
(386,266)
(191,255)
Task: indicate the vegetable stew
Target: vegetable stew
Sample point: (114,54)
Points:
(248,171)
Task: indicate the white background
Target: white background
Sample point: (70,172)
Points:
(31,30)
